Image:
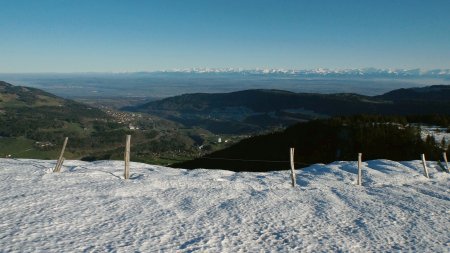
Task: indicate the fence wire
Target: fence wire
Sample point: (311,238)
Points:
(251,160)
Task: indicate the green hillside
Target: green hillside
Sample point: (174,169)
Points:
(34,123)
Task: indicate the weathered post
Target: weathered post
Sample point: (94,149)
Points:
(61,159)
(127,157)
(359,181)
(425,168)
(444,155)
(292,167)
(60,163)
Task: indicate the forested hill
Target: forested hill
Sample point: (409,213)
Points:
(324,141)
(35,113)
(436,93)
(19,96)
(257,101)
(330,104)
(33,123)
(253,110)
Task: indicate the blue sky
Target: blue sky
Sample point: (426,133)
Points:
(116,36)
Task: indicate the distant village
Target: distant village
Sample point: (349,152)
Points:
(125,117)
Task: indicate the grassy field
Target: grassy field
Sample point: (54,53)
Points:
(24,148)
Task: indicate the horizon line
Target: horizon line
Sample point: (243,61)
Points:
(261,70)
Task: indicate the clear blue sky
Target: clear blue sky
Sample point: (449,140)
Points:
(131,35)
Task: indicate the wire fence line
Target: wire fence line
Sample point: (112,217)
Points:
(444,166)
(292,163)
(26,150)
(213,158)
(206,158)
(250,160)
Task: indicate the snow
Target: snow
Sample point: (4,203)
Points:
(436,73)
(439,133)
(89,207)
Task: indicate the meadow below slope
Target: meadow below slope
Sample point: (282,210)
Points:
(89,207)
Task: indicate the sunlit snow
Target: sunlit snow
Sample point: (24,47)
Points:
(90,207)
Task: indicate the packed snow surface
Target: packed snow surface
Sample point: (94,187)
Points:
(89,207)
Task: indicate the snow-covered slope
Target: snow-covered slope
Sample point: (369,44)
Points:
(89,207)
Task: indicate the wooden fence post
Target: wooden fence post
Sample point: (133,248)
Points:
(127,157)
(425,168)
(359,181)
(292,167)
(61,159)
(444,155)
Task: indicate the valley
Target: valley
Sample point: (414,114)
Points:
(196,126)
(33,124)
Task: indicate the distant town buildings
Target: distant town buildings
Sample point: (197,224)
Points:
(132,127)
(123,117)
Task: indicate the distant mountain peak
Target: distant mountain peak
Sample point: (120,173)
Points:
(369,72)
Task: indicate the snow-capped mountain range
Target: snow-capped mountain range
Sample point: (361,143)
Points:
(321,72)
